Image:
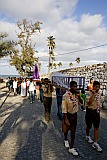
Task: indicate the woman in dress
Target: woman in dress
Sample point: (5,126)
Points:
(23,88)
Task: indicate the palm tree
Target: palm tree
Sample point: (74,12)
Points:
(70,64)
(51,45)
(59,64)
(50,65)
(78,60)
(54,65)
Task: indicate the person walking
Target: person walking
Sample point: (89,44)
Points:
(27,86)
(8,84)
(31,91)
(15,86)
(47,98)
(23,88)
(83,96)
(59,93)
(37,90)
(69,109)
(11,84)
(93,99)
(41,90)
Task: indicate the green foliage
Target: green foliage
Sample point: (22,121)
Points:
(25,60)
(7,47)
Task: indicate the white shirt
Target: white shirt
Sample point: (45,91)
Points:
(14,84)
(31,86)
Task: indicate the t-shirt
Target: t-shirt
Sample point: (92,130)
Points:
(47,90)
(96,102)
(31,86)
(83,97)
(69,103)
(60,91)
(90,87)
(14,84)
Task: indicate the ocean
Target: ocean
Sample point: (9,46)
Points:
(6,76)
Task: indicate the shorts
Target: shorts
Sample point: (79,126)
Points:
(72,120)
(92,117)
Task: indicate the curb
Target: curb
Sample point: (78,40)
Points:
(5,99)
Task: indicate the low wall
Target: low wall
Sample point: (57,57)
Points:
(97,71)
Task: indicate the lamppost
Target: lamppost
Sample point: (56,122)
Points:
(51,45)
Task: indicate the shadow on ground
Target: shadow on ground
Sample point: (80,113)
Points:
(27,122)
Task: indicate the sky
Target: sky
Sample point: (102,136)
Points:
(78,26)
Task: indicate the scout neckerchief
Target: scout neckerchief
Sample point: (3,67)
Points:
(74,100)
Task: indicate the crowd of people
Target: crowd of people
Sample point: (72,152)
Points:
(68,101)
(24,87)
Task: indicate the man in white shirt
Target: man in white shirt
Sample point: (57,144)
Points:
(31,91)
(15,86)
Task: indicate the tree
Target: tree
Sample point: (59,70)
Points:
(77,60)
(70,64)
(51,45)
(7,47)
(25,60)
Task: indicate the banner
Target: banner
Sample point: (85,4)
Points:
(36,73)
(64,80)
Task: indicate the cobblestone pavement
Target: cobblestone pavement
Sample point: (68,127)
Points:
(24,134)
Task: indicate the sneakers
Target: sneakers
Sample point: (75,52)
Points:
(66,144)
(97,147)
(73,151)
(88,139)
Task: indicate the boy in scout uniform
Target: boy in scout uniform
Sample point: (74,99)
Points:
(69,109)
(93,99)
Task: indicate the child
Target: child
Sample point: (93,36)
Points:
(90,85)
(93,99)
(83,96)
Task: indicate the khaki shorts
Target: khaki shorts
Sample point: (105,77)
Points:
(92,117)
(72,120)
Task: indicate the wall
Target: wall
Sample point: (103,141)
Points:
(97,71)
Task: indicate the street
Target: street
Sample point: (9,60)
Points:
(24,134)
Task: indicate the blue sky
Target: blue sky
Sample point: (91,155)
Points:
(76,24)
(92,7)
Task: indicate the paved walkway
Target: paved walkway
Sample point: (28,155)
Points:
(24,134)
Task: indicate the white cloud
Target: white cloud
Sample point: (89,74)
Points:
(37,8)
(9,28)
(58,20)
(89,23)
